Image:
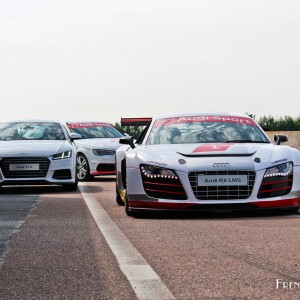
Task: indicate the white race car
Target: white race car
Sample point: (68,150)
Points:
(96,148)
(37,152)
(208,162)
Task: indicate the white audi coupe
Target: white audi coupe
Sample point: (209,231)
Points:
(37,152)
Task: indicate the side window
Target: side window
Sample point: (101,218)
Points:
(141,137)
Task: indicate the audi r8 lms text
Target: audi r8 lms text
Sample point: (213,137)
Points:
(37,152)
(206,161)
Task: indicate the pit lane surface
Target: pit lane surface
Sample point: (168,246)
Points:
(60,253)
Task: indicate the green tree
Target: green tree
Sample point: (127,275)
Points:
(133,131)
(286,123)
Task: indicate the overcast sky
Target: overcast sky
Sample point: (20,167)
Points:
(107,59)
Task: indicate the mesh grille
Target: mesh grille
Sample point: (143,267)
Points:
(43,163)
(222,192)
(102,152)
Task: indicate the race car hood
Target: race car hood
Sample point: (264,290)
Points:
(33,148)
(189,157)
(101,143)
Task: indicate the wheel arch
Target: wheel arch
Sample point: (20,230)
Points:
(123,173)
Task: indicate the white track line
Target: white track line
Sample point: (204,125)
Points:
(144,280)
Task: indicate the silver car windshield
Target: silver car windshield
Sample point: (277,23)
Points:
(206,129)
(31,131)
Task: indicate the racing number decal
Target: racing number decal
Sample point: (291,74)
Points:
(212,147)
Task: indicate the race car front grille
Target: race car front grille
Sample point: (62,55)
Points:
(222,192)
(24,167)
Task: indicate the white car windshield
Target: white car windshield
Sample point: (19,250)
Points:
(95,130)
(206,129)
(31,131)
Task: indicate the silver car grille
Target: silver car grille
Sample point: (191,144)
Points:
(102,152)
(222,192)
(43,163)
(107,152)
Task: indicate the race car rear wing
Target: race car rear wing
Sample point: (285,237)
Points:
(135,121)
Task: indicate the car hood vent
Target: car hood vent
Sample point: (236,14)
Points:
(217,154)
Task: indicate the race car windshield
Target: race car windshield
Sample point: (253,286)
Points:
(95,130)
(206,129)
(31,131)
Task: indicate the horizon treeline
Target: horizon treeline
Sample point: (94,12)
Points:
(285,123)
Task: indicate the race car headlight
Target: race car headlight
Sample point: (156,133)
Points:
(159,182)
(157,172)
(62,155)
(285,169)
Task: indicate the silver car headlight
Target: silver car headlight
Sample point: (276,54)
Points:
(62,155)
(285,169)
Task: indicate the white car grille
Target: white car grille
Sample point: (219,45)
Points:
(42,162)
(224,192)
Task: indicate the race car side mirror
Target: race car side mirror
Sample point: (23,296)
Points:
(127,140)
(75,136)
(280,138)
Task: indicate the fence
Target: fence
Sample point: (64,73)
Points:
(293,137)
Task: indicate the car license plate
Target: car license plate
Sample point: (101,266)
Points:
(222,180)
(24,167)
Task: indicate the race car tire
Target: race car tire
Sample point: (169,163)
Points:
(118,197)
(83,168)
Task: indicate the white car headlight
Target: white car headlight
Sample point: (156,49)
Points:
(62,155)
(280,170)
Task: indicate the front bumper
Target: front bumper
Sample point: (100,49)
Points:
(101,165)
(138,199)
(55,172)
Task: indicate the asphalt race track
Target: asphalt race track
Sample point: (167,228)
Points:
(13,211)
(81,245)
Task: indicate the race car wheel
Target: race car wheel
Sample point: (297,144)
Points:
(118,197)
(83,168)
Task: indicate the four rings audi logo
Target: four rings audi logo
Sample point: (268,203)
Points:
(221,165)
